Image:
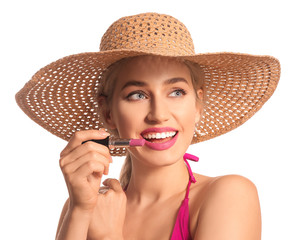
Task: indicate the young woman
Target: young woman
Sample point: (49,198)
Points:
(147,83)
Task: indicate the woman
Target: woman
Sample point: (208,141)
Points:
(147,82)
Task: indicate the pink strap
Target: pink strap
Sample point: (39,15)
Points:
(191,176)
(190,157)
(193,158)
(181,228)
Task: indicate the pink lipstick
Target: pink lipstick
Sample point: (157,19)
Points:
(160,138)
(112,142)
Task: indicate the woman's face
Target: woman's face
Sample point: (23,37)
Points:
(154,99)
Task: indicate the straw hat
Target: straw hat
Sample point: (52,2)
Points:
(61,97)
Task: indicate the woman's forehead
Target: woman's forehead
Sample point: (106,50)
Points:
(146,68)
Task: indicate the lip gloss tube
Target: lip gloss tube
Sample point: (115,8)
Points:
(112,142)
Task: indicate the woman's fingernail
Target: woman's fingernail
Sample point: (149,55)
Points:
(103,132)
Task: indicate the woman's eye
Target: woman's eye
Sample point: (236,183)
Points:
(136,96)
(177,93)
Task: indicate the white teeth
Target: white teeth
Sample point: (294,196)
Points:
(159,135)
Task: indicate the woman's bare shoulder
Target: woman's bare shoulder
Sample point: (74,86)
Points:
(229,183)
(223,184)
(229,203)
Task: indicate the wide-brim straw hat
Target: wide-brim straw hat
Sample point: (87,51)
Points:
(61,97)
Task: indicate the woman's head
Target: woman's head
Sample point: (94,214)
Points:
(111,76)
(145,95)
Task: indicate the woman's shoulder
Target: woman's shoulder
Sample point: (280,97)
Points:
(230,200)
(224,187)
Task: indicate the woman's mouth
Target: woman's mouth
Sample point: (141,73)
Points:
(160,138)
(157,137)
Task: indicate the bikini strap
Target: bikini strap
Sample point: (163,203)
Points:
(191,176)
(190,157)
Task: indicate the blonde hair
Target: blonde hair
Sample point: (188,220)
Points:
(105,95)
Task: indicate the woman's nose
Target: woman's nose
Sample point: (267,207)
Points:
(158,111)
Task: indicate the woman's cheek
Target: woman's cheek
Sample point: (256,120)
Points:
(128,118)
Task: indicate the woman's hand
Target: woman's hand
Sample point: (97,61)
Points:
(109,214)
(83,166)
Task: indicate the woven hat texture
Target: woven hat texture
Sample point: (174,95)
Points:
(61,97)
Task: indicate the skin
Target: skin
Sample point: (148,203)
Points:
(220,208)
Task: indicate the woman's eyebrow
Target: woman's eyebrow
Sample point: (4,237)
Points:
(143,84)
(175,80)
(133,83)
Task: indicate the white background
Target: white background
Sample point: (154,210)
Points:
(267,149)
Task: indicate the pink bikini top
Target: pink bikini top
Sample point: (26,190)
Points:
(181,228)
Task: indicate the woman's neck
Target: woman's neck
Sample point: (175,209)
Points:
(153,184)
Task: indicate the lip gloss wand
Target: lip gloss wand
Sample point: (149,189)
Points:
(112,142)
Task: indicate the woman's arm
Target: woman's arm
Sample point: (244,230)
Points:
(83,166)
(115,202)
(62,216)
(73,224)
(231,211)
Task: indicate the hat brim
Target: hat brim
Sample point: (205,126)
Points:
(61,97)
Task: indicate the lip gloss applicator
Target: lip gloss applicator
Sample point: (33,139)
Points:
(112,142)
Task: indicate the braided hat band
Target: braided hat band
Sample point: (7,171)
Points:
(61,97)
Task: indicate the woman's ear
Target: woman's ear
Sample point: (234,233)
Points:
(199,105)
(109,120)
(107,115)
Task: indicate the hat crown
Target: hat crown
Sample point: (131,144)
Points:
(150,32)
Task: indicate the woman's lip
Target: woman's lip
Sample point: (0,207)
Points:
(163,145)
(159,130)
